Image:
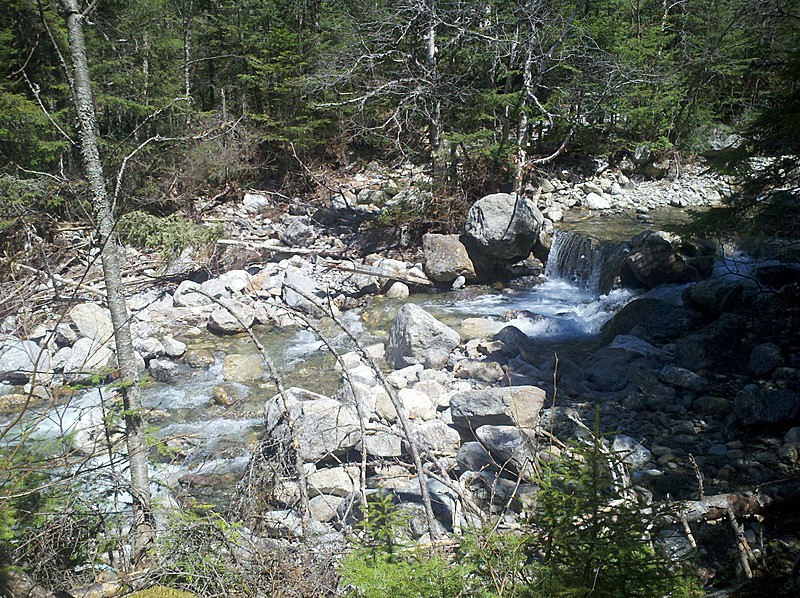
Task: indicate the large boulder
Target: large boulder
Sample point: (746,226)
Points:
(656,319)
(93,321)
(508,406)
(501,229)
(756,406)
(22,360)
(446,258)
(653,261)
(231,317)
(416,337)
(88,357)
(718,295)
(323,427)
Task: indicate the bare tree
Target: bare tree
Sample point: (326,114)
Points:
(143,527)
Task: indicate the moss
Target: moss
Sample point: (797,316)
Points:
(161,592)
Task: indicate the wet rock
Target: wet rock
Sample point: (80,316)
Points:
(198,358)
(516,343)
(242,368)
(229,394)
(416,337)
(517,406)
(653,261)
(660,320)
(446,258)
(163,370)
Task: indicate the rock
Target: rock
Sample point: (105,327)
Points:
(512,406)
(334,481)
(473,456)
(715,346)
(718,295)
(198,358)
(231,317)
(323,426)
(593,201)
(324,507)
(760,406)
(683,378)
(163,370)
(436,437)
(383,443)
(87,358)
(21,360)
(255,203)
(416,337)
(300,232)
(446,258)
(233,281)
(186,296)
(417,404)
(301,292)
(501,229)
(93,322)
(631,452)
(662,321)
(242,368)
(482,371)
(712,406)
(173,347)
(652,261)
(397,290)
(149,347)
(516,343)
(508,446)
(764,359)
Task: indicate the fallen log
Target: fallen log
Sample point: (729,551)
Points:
(741,504)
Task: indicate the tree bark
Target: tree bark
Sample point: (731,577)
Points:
(143,527)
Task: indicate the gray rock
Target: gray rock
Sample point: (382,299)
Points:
(761,406)
(764,359)
(660,320)
(683,378)
(717,295)
(383,443)
(501,229)
(173,347)
(231,317)
(473,456)
(21,360)
(593,201)
(513,406)
(163,370)
(299,232)
(653,261)
(416,337)
(87,358)
(631,452)
(397,290)
(323,426)
(301,292)
(436,437)
(93,322)
(255,203)
(186,296)
(508,446)
(417,404)
(149,347)
(446,258)
(324,507)
(334,481)
(482,371)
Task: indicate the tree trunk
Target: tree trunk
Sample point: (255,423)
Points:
(143,528)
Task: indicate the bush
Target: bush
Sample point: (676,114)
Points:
(169,235)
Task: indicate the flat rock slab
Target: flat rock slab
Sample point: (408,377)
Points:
(509,406)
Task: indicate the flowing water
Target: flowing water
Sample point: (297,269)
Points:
(202,443)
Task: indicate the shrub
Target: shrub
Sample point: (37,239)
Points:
(170,235)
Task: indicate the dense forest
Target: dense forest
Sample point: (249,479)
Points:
(194,96)
(189,108)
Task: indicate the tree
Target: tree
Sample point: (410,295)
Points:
(143,527)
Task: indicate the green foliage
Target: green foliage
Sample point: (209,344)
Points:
(381,566)
(161,592)
(170,235)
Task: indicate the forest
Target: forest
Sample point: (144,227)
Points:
(144,121)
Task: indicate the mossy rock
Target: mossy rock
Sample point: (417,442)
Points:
(161,592)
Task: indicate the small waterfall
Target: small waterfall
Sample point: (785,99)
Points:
(575,258)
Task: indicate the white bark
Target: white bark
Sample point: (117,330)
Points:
(143,529)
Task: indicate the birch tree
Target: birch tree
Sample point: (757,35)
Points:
(143,528)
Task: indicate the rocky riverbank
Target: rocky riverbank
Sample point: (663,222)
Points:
(700,390)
